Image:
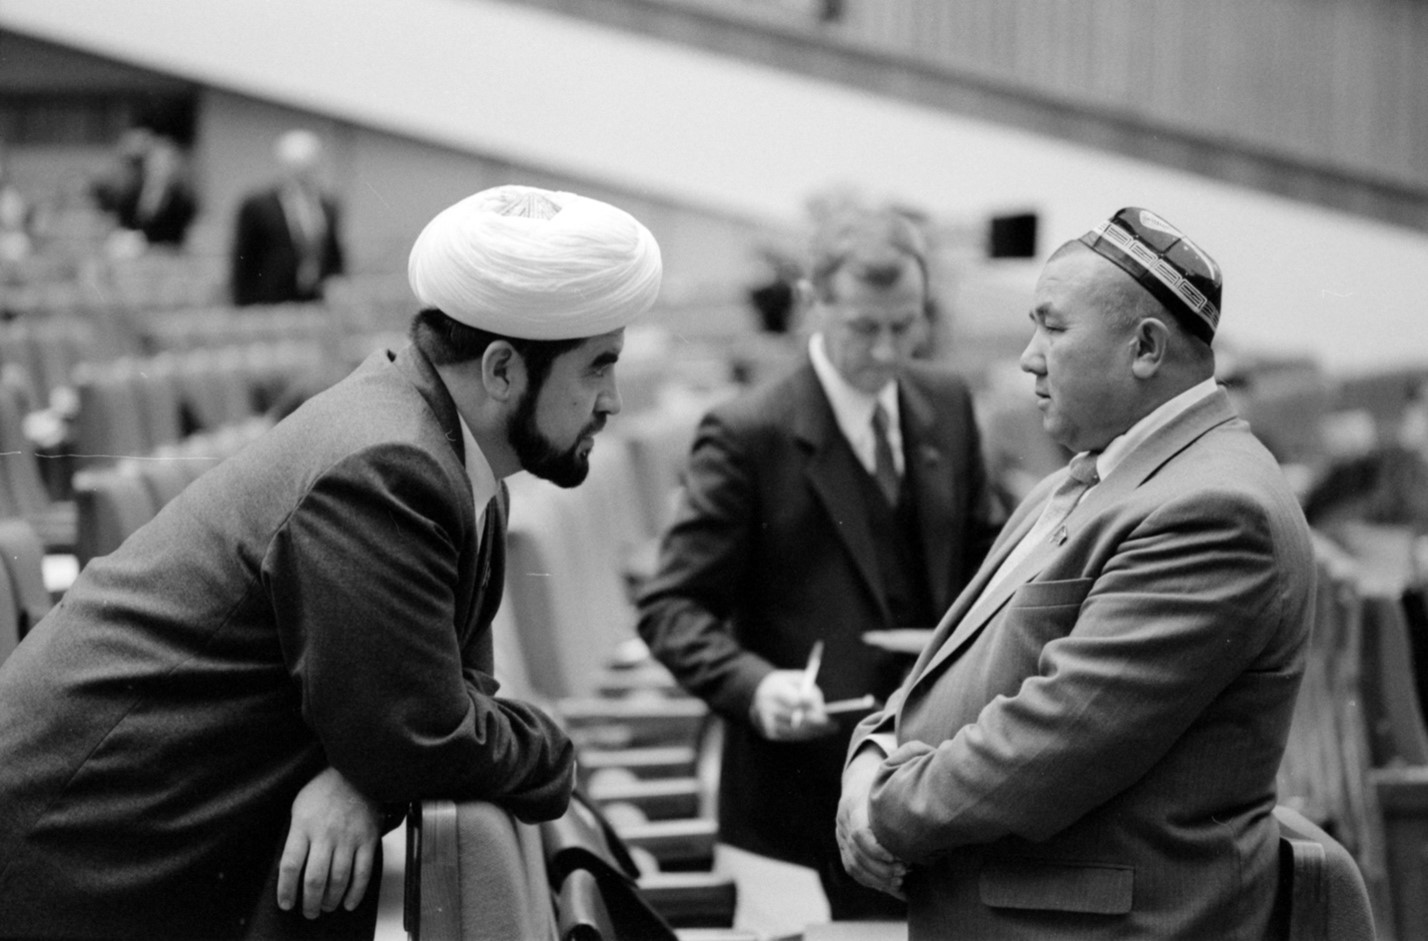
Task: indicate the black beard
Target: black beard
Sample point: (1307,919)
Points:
(538,454)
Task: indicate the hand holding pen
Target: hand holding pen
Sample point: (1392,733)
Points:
(788,705)
(808,686)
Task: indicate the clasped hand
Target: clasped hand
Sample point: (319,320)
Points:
(331,846)
(786,710)
(865,859)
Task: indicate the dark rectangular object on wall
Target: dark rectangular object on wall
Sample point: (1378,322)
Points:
(1013,236)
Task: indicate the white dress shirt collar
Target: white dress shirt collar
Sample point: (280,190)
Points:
(853,408)
(484,485)
(1132,438)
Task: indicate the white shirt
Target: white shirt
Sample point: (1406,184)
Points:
(484,485)
(853,409)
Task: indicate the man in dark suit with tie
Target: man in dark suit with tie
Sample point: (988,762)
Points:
(286,242)
(197,741)
(847,496)
(1088,745)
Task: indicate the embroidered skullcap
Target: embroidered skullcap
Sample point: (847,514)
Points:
(536,264)
(1164,262)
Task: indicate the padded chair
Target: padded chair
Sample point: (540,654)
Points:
(23,559)
(475,873)
(21,481)
(156,386)
(110,421)
(583,839)
(9,617)
(112,505)
(1323,896)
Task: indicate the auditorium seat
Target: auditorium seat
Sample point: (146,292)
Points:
(475,873)
(23,559)
(1322,893)
(112,503)
(9,617)
(156,386)
(110,421)
(22,486)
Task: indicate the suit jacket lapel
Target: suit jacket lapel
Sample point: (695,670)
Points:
(832,471)
(929,473)
(972,611)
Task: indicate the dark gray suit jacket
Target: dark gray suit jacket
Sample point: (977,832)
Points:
(771,550)
(318,599)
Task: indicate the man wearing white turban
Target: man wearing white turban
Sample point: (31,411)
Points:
(201,740)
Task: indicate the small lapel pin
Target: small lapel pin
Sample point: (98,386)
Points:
(1058,537)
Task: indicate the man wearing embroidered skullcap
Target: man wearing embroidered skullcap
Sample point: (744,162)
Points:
(1087,747)
(203,739)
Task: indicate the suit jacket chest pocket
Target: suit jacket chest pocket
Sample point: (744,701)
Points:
(1037,614)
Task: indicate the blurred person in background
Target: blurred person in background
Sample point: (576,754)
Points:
(846,496)
(287,240)
(1088,745)
(16,217)
(203,738)
(148,193)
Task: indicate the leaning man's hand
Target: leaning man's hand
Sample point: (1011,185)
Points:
(331,846)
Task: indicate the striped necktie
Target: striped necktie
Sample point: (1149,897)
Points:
(884,467)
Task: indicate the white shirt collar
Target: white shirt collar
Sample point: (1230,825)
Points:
(1123,444)
(484,485)
(853,408)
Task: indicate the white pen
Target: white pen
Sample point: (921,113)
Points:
(810,680)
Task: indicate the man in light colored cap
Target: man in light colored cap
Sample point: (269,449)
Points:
(1087,747)
(199,742)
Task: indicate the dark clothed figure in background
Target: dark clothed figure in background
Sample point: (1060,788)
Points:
(287,241)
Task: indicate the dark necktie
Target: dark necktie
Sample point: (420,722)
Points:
(884,468)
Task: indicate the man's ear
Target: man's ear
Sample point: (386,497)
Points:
(1152,343)
(503,372)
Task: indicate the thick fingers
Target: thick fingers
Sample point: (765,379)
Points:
(338,875)
(361,874)
(290,869)
(314,882)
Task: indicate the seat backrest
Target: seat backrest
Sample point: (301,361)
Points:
(111,505)
(22,481)
(9,617)
(23,558)
(110,421)
(1323,896)
(565,588)
(475,873)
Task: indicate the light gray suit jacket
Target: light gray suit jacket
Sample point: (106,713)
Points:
(1091,749)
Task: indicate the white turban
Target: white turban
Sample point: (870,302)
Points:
(535,264)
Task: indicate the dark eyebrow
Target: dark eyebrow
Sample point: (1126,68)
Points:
(606,358)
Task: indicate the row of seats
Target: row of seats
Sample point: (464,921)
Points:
(133,406)
(475,873)
(114,500)
(1356,763)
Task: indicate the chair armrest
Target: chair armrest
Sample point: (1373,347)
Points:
(686,844)
(659,798)
(657,761)
(595,721)
(691,899)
